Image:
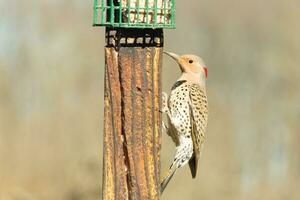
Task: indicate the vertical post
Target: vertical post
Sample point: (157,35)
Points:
(132,124)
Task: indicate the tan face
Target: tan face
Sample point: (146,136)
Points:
(190,63)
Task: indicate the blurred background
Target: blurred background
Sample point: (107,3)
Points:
(51,99)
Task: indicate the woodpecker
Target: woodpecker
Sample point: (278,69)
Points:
(187,111)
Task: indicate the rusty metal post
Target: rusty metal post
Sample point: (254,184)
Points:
(132,124)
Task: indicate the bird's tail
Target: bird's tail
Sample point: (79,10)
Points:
(166,179)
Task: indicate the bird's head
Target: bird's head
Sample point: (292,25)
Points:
(190,64)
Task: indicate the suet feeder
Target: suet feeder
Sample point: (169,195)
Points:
(132,95)
(135,13)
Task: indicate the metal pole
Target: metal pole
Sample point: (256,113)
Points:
(132,124)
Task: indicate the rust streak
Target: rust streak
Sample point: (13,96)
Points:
(133,123)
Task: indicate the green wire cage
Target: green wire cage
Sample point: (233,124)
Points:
(134,13)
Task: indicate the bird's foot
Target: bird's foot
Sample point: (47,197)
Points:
(165,108)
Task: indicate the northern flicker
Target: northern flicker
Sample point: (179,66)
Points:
(187,112)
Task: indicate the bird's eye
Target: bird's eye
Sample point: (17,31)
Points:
(191,61)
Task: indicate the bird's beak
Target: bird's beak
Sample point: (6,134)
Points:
(172,55)
(176,58)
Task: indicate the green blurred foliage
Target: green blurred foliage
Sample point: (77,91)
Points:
(51,99)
